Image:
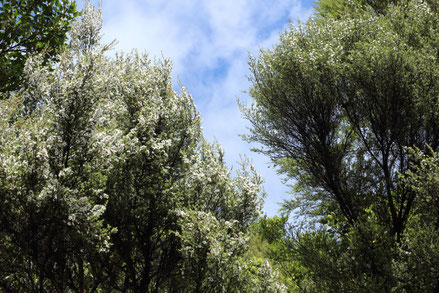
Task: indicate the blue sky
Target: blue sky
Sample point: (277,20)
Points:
(209,42)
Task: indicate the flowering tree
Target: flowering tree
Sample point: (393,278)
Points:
(103,171)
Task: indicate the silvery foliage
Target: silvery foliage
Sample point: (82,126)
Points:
(71,127)
(55,149)
(214,258)
(213,189)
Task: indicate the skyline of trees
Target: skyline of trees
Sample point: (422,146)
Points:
(108,185)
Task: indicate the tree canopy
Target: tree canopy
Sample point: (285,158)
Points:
(107,185)
(339,103)
(29,27)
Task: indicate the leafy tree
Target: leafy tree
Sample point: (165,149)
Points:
(326,8)
(215,260)
(29,27)
(417,259)
(336,104)
(271,229)
(338,8)
(269,242)
(104,174)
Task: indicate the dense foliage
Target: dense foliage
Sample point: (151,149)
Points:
(29,27)
(106,184)
(347,106)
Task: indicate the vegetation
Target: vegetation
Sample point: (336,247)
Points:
(29,27)
(346,105)
(107,185)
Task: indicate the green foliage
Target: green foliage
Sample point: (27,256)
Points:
(326,8)
(214,258)
(339,8)
(29,27)
(337,105)
(417,260)
(268,243)
(272,229)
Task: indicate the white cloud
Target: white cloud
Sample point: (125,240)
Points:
(208,42)
(202,31)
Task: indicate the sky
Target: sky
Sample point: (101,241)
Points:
(209,42)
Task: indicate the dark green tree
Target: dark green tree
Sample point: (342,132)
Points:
(29,27)
(417,260)
(336,103)
(338,8)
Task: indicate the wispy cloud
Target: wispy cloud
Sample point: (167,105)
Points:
(209,42)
